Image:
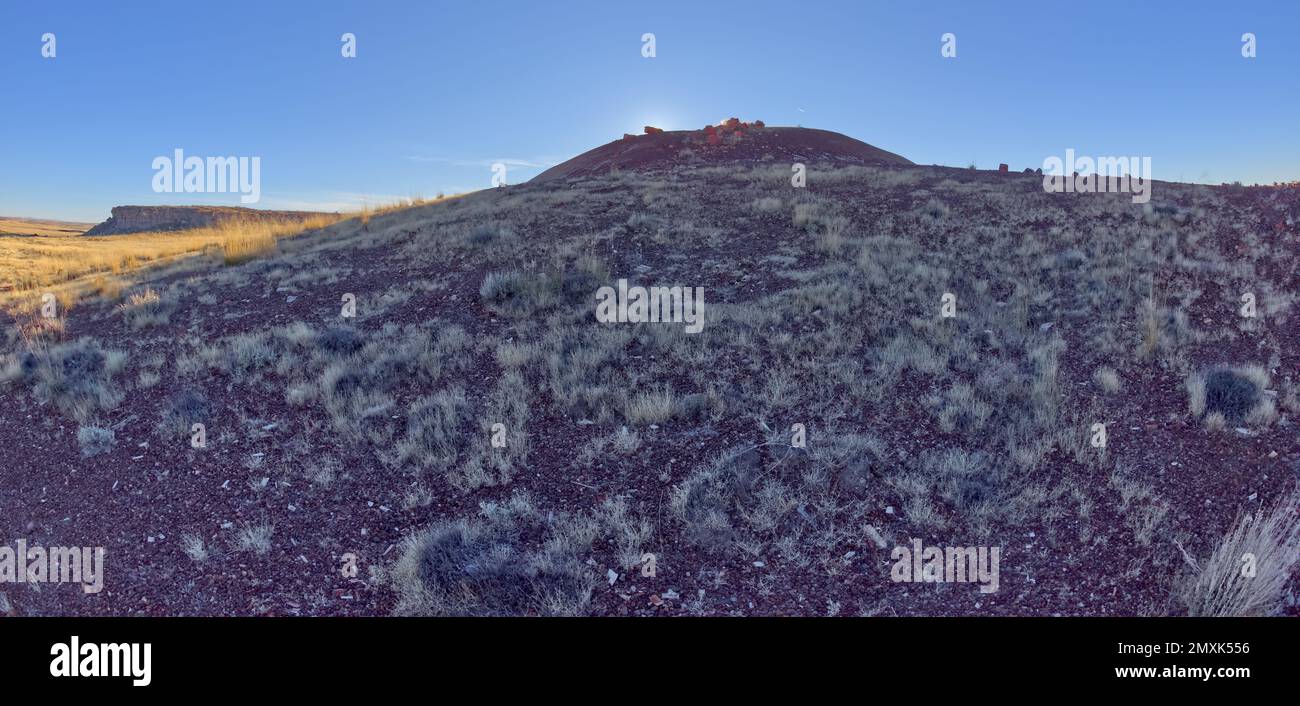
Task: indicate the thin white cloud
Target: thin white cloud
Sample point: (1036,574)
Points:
(344,202)
(537,163)
(329,202)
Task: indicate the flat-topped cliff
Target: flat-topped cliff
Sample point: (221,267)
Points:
(136,219)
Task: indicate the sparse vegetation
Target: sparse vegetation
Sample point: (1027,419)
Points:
(95,440)
(75,377)
(482,567)
(652,407)
(146,308)
(514,292)
(254,537)
(184,409)
(33,263)
(194,547)
(340,340)
(474,376)
(1250,567)
(1232,395)
(1108,380)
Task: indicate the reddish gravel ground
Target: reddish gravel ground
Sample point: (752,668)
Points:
(138,499)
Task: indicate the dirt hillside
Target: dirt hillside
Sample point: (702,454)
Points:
(417,411)
(738,145)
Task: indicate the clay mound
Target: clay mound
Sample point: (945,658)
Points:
(731,142)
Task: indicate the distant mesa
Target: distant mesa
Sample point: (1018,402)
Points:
(732,140)
(137,219)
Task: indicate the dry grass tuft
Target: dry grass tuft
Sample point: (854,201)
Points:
(95,440)
(255,538)
(1249,569)
(146,308)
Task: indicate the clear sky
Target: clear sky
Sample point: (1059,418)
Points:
(440,90)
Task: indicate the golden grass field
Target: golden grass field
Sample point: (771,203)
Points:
(35,226)
(29,262)
(40,256)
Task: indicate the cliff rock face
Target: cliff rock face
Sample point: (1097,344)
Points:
(136,219)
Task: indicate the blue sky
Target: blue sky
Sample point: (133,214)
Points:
(439,90)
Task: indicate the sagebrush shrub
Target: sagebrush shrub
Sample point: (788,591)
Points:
(184,409)
(490,566)
(95,440)
(501,290)
(340,340)
(77,377)
(1231,394)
